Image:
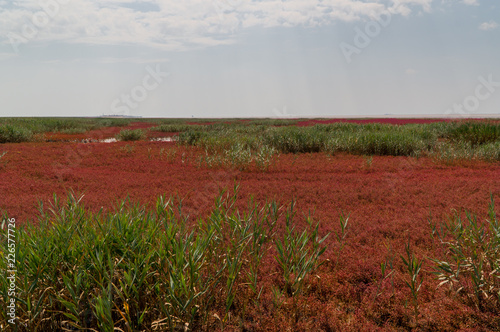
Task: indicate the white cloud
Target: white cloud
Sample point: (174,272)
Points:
(177,25)
(471,2)
(488,25)
(403,6)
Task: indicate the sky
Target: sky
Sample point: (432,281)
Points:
(245,58)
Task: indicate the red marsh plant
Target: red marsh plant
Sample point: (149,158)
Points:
(146,269)
(389,203)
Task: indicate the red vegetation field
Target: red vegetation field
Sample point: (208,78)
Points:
(388,201)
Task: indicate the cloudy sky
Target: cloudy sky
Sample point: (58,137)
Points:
(245,58)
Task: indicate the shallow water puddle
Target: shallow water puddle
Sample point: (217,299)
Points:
(163,139)
(114,140)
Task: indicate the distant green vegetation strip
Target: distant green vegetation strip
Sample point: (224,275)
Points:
(17,130)
(453,140)
(445,140)
(214,125)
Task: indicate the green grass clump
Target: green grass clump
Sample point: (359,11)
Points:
(131,135)
(273,122)
(137,269)
(441,140)
(240,157)
(371,139)
(383,143)
(413,269)
(475,133)
(229,147)
(471,267)
(489,151)
(191,137)
(172,128)
(14,134)
(295,139)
